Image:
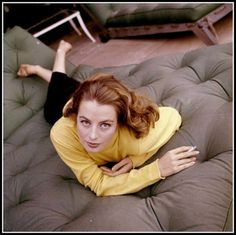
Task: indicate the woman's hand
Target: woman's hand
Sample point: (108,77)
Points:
(177,160)
(124,166)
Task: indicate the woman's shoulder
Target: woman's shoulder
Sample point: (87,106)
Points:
(168,109)
(64,123)
(63,128)
(169,113)
(169,121)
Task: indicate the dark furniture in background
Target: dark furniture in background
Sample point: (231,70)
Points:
(42,194)
(115,20)
(134,19)
(34,17)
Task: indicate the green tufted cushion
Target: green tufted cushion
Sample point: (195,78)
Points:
(121,15)
(23,97)
(42,194)
(199,85)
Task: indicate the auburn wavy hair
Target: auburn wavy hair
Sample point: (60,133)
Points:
(135,112)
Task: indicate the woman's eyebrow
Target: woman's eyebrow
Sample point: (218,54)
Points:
(110,121)
(106,120)
(83,117)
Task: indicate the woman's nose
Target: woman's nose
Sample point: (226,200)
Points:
(93,135)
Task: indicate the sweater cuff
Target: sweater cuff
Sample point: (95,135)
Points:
(132,158)
(158,169)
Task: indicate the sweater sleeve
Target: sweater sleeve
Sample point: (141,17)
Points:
(90,175)
(165,128)
(139,160)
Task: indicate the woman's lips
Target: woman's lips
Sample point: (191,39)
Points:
(92,145)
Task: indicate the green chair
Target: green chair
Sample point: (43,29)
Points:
(135,19)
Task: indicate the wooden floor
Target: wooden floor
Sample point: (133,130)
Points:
(118,52)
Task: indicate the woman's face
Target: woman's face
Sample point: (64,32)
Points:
(96,125)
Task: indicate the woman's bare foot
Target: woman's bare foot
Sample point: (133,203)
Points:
(27,69)
(64,46)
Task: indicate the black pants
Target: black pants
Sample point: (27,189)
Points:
(60,89)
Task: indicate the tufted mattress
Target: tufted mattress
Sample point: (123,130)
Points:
(42,194)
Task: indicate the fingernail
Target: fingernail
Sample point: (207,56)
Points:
(191,149)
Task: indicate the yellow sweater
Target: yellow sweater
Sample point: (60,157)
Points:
(123,144)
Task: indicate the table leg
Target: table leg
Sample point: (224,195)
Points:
(69,18)
(72,23)
(83,26)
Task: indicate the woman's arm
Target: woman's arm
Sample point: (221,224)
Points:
(89,173)
(172,162)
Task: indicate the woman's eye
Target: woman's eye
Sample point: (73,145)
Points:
(85,123)
(105,125)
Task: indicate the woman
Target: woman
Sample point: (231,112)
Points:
(105,122)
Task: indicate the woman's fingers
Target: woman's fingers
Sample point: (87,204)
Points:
(177,159)
(184,166)
(118,165)
(124,166)
(183,149)
(115,173)
(186,161)
(183,152)
(105,169)
(126,162)
(119,172)
(185,155)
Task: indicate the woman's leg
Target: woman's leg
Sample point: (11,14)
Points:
(60,87)
(60,90)
(26,70)
(60,58)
